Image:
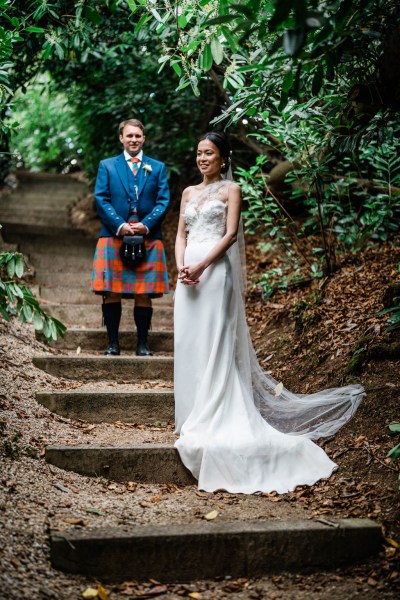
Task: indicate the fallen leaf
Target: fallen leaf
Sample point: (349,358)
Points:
(102,592)
(90,593)
(392,542)
(78,350)
(73,521)
(62,488)
(211,515)
(155,591)
(195,595)
(278,389)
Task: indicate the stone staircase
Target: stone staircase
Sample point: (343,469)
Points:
(139,389)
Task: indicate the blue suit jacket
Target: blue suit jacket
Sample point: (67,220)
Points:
(111,193)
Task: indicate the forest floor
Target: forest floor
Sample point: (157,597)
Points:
(306,338)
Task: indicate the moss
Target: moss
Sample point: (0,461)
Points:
(364,351)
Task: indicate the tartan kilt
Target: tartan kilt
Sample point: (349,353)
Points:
(109,274)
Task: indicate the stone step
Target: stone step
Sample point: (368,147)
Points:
(46,195)
(65,246)
(68,295)
(147,463)
(36,177)
(96,339)
(77,294)
(61,263)
(196,551)
(138,406)
(78,280)
(121,369)
(24,212)
(17,233)
(39,223)
(89,315)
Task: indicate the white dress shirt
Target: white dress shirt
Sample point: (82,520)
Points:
(130,164)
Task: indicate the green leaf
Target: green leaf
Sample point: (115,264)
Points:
(395,427)
(27,310)
(217,51)
(18,290)
(220,19)
(19,265)
(4,314)
(288,81)
(177,68)
(394,452)
(143,19)
(46,329)
(182,21)
(37,321)
(11,267)
(207,57)
(232,42)
(35,30)
(59,51)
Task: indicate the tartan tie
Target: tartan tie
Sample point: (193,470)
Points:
(135,165)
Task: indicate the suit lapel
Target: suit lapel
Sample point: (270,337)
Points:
(122,171)
(143,175)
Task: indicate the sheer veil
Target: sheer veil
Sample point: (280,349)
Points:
(310,415)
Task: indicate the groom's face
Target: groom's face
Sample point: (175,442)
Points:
(132,139)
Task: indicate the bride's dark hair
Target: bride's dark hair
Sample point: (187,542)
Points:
(221,141)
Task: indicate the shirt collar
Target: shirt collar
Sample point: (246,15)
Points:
(128,156)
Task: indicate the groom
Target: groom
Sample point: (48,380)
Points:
(132,197)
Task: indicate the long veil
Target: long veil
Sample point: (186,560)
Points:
(310,415)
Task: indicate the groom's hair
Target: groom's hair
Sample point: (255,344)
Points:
(133,122)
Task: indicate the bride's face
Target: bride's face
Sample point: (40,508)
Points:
(209,160)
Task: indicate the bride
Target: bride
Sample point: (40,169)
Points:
(240,430)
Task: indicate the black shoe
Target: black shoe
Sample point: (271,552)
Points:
(112,350)
(112,317)
(142,315)
(142,349)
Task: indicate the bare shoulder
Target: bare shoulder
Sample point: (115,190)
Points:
(234,188)
(187,191)
(186,195)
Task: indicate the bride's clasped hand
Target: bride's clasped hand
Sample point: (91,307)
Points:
(190,276)
(235,433)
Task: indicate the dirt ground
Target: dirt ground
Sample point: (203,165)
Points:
(307,339)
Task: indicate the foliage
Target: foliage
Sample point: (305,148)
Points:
(107,70)
(395,451)
(269,49)
(392,312)
(17,299)
(349,198)
(315,86)
(46,138)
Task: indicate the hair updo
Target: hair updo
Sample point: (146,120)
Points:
(221,141)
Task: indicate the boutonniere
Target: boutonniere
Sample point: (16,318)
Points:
(147,168)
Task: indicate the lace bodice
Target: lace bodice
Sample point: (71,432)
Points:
(205,213)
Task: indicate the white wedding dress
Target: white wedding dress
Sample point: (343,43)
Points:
(237,432)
